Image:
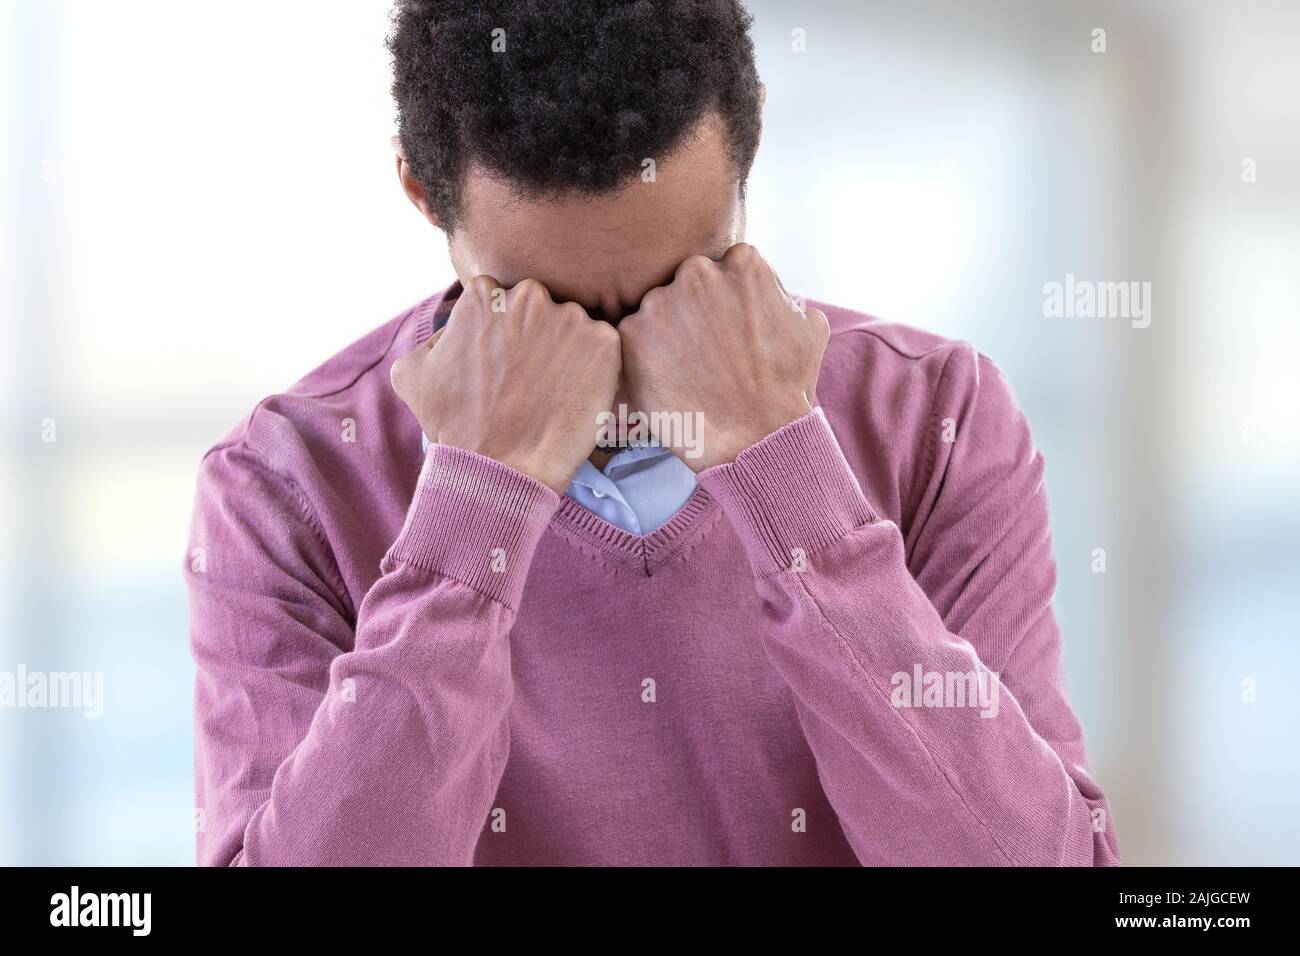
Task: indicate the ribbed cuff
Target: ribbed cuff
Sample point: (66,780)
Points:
(475,520)
(789,495)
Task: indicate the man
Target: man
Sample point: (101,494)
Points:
(436,624)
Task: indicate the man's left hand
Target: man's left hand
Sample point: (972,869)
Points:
(724,339)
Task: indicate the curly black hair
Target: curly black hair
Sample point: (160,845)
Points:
(581,94)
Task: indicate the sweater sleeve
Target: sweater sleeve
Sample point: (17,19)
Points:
(931,695)
(326,738)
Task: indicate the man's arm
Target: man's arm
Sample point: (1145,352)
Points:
(324,742)
(851,628)
(981,761)
(315,746)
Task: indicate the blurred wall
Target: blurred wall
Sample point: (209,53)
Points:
(200,206)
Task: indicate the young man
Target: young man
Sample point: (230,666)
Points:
(435,624)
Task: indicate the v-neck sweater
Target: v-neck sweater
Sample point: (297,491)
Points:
(841,650)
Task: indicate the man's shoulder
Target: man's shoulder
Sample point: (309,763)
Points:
(320,473)
(850,327)
(895,394)
(891,360)
(346,400)
(367,356)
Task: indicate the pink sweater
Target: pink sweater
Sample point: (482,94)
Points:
(840,651)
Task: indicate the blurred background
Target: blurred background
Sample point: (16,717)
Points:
(199,206)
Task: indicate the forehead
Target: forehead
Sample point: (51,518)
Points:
(611,248)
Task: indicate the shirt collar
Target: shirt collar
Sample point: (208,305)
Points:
(622,462)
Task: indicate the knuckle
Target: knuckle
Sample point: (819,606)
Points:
(650,301)
(573,312)
(607,334)
(482,285)
(630,326)
(742,253)
(694,266)
(820,322)
(399,376)
(530,290)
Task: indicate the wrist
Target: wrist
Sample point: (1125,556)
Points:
(726,447)
(528,463)
(475,520)
(790,495)
(557,479)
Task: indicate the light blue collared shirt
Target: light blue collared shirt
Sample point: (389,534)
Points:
(638,490)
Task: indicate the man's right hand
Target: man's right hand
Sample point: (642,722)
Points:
(516,377)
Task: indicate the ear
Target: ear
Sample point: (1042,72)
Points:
(411,186)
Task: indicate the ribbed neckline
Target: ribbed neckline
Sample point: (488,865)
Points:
(637,553)
(624,550)
(430,309)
